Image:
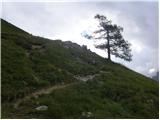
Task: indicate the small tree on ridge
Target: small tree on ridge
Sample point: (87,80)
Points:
(115,43)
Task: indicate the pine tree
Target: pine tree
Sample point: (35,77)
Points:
(115,43)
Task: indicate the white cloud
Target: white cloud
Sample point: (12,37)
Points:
(136,46)
(152,70)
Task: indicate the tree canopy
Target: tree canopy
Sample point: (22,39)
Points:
(115,44)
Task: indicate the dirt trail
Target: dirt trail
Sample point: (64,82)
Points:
(85,78)
(50,89)
(88,77)
(40,92)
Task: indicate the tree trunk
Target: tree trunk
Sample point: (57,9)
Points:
(108,47)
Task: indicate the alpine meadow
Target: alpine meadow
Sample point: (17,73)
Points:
(45,78)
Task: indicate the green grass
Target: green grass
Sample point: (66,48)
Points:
(9,28)
(103,97)
(31,63)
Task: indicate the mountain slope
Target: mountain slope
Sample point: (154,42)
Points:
(9,28)
(103,89)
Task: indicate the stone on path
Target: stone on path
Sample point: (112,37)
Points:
(42,108)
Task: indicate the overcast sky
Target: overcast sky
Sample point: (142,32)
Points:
(67,20)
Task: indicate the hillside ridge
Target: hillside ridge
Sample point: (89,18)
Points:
(32,65)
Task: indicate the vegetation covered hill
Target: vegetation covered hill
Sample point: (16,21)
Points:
(69,80)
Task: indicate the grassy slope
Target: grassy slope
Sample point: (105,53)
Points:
(9,28)
(30,63)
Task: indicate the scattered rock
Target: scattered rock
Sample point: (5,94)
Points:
(36,46)
(67,47)
(87,114)
(150,101)
(42,108)
(85,78)
(84,47)
(69,44)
